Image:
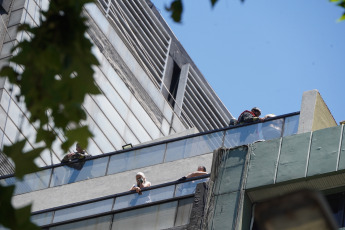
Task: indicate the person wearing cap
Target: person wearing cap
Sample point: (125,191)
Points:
(250,116)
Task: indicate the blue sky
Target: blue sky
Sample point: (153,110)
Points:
(266,53)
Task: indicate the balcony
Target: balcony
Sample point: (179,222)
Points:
(154,154)
(161,206)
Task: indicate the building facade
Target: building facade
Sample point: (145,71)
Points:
(154,97)
(150,87)
(247,164)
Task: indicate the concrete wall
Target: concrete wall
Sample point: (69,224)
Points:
(261,170)
(314,113)
(108,185)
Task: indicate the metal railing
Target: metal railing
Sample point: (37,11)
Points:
(154,153)
(117,203)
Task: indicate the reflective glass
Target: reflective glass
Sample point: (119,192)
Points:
(8,181)
(136,159)
(183,211)
(291,125)
(187,187)
(81,170)
(146,197)
(271,129)
(33,182)
(98,223)
(242,135)
(193,146)
(150,218)
(42,219)
(83,210)
(101,120)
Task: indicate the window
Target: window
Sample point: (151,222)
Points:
(337,205)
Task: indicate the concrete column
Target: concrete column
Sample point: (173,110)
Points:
(314,113)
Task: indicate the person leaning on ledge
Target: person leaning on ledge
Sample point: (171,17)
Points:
(79,154)
(141,183)
(250,116)
(199,172)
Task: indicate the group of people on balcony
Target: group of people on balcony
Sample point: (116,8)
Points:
(245,117)
(141,181)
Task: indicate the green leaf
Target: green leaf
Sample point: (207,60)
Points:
(23,161)
(213,2)
(79,135)
(176,9)
(45,135)
(341,18)
(58,48)
(11,218)
(9,72)
(7,213)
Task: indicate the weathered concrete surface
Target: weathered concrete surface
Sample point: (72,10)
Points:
(224,210)
(322,115)
(263,160)
(314,113)
(230,175)
(274,167)
(197,214)
(324,151)
(293,157)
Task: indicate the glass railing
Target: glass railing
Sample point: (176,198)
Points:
(119,202)
(155,153)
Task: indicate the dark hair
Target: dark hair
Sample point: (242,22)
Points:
(203,168)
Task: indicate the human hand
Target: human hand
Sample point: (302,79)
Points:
(137,189)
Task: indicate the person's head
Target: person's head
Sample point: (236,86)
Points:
(140,178)
(256,111)
(78,148)
(202,168)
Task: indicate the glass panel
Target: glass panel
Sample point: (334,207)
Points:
(136,159)
(42,219)
(272,129)
(187,187)
(193,146)
(151,218)
(8,181)
(99,223)
(81,170)
(146,197)
(242,135)
(183,211)
(291,125)
(31,182)
(83,210)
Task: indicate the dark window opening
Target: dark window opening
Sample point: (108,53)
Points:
(175,78)
(337,205)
